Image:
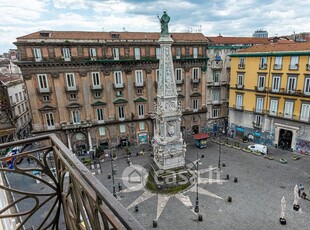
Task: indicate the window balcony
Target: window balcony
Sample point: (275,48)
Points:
(259,111)
(94,88)
(139,84)
(70,196)
(238,86)
(277,67)
(217,64)
(294,67)
(257,125)
(47,90)
(260,89)
(238,107)
(195,81)
(264,66)
(241,66)
(180,82)
(80,126)
(71,89)
(118,86)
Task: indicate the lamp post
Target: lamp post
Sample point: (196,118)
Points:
(220,150)
(197,199)
(113,172)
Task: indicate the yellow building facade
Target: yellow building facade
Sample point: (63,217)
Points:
(270,95)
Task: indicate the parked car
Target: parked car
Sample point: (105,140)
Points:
(259,148)
(11,154)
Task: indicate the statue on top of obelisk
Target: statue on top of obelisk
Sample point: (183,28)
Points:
(164,20)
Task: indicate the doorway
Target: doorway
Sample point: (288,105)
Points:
(285,139)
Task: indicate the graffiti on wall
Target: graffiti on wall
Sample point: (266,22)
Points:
(302,146)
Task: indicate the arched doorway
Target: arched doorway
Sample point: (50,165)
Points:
(195,129)
(79,142)
(285,139)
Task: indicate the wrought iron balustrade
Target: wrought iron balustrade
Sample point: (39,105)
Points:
(70,196)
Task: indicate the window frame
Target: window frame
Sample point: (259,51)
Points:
(115,53)
(50,121)
(76,117)
(137,52)
(100,115)
(37,53)
(66,52)
(70,80)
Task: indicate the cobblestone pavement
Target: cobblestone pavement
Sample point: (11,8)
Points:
(256,196)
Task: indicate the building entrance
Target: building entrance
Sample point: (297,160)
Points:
(285,139)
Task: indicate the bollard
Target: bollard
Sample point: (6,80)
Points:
(154,223)
(136,208)
(199,217)
(227,177)
(236,179)
(224,165)
(229,199)
(109,176)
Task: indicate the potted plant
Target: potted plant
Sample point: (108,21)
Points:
(245,139)
(283,160)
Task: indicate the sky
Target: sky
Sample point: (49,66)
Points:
(211,17)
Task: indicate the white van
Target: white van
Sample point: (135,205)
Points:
(259,148)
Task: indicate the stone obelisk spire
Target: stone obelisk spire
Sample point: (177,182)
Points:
(169,148)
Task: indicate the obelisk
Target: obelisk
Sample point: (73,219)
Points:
(168,145)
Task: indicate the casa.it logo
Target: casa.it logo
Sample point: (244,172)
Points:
(134,177)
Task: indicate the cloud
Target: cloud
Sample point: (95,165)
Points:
(230,17)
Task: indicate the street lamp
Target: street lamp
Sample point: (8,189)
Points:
(113,172)
(220,151)
(197,197)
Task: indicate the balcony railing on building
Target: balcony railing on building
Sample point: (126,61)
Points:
(238,107)
(139,84)
(217,64)
(277,67)
(118,86)
(180,81)
(239,86)
(71,197)
(257,125)
(47,90)
(94,88)
(70,89)
(260,89)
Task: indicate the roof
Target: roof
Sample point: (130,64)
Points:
(237,40)
(201,136)
(88,35)
(286,47)
(9,79)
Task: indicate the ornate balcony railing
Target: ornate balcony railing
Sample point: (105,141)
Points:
(70,197)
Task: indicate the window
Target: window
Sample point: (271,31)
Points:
(294,62)
(119,93)
(259,105)
(16,97)
(178,74)
(178,52)
(72,96)
(118,80)
(21,96)
(115,53)
(195,52)
(158,53)
(141,125)
(273,110)
(139,77)
(241,64)
(239,101)
(308,65)
(101,131)
(19,110)
(46,98)
(121,113)
(23,107)
(11,100)
(215,113)
(50,120)
(195,73)
(261,83)
(240,80)
(96,79)
(137,53)
(263,63)
(195,105)
(98,94)
(99,113)
(278,63)
(305,112)
(37,54)
(122,128)
(92,54)
(288,109)
(291,84)
(70,80)
(141,111)
(66,54)
(42,79)
(139,91)
(157,75)
(307,86)
(276,83)
(216,95)
(258,120)
(76,117)
(216,76)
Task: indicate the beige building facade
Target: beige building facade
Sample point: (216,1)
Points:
(99,88)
